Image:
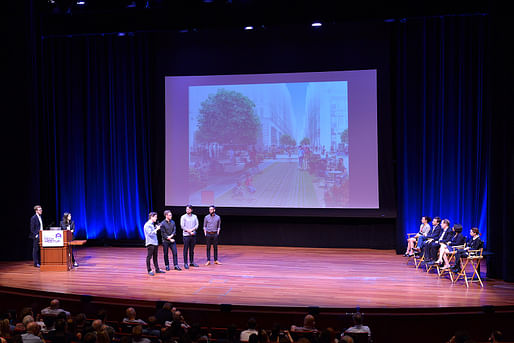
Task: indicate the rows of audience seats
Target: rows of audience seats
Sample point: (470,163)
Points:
(56,325)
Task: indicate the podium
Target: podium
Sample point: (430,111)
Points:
(55,250)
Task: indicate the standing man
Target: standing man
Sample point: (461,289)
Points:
(168,232)
(189,224)
(211,228)
(36,224)
(152,243)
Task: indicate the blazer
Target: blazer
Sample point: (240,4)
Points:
(35,226)
(434,233)
(458,239)
(475,244)
(446,236)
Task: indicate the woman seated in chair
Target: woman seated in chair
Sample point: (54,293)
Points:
(474,243)
(444,249)
(423,231)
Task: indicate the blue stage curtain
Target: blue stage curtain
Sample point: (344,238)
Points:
(442,126)
(95,132)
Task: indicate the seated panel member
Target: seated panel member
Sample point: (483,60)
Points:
(444,250)
(433,234)
(433,246)
(424,228)
(474,243)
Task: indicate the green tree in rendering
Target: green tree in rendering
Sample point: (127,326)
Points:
(344,136)
(287,140)
(228,117)
(305,141)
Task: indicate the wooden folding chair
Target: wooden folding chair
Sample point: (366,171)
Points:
(413,257)
(474,258)
(451,258)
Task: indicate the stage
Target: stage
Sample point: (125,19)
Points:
(261,276)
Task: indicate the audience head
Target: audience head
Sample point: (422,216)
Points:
(130,313)
(308,321)
(346,339)
(102,315)
(27,320)
(54,304)
(33,328)
(252,323)
(80,319)
(357,318)
(97,325)
(90,337)
(137,331)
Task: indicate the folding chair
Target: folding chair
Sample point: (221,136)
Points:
(473,259)
(451,258)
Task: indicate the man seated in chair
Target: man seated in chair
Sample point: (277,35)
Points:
(434,233)
(308,329)
(474,243)
(444,250)
(357,326)
(433,246)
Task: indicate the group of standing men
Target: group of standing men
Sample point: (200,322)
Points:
(189,224)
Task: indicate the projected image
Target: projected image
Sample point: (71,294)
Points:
(269,145)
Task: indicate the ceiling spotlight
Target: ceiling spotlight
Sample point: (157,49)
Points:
(316,24)
(247,28)
(81,2)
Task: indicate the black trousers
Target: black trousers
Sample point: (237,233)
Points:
(211,239)
(189,247)
(461,253)
(35,251)
(169,245)
(152,253)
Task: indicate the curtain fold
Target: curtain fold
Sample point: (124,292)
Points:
(442,126)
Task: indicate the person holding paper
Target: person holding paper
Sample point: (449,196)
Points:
(152,243)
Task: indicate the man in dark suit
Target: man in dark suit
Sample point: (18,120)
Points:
(445,235)
(432,235)
(36,224)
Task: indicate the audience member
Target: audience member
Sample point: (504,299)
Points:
(132,317)
(33,334)
(54,309)
(357,325)
(59,335)
(279,336)
(251,325)
(137,335)
(165,314)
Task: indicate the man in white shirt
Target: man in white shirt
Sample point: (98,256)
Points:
(189,225)
(245,335)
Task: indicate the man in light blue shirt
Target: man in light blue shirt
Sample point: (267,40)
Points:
(152,243)
(189,224)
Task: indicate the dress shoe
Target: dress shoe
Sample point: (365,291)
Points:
(186,266)
(167,268)
(217,262)
(207,263)
(160,271)
(151,273)
(75,264)
(37,265)
(177,268)
(193,265)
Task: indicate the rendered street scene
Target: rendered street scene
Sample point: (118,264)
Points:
(269,145)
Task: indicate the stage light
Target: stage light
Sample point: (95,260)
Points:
(247,28)
(316,24)
(81,2)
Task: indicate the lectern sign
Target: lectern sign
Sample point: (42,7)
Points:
(53,238)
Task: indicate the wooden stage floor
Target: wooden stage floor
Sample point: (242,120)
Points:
(261,276)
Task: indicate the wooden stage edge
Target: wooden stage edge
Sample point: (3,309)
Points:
(281,280)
